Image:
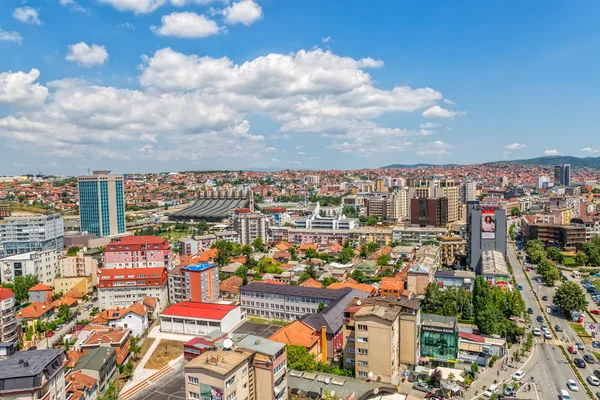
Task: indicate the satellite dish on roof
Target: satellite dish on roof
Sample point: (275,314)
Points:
(227,343)
(370,375)
(376,390)
(358,303)
(332,393)
(230,335)
(327,380)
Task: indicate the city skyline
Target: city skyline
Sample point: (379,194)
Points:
(171,85)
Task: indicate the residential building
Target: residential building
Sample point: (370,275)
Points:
(392,207)
(415,236)
(82,264)
(198,283)
(121,287)
(392,286)
(486,230)
(195,318)
(27,233)
(40,293)
(451,248)
(344,388)
(251,226)
(33,375)
(432,212)
(369,268)
(285,302)
(188,247)
(134,317)
(451,193)
(377,326)
(455,278)
(317,222)
(79,283)
(9,327)
(101,204)
(359,236)
(439,339)
(468,192)
(42,312)
(138,252)
(421,272)
(565,237)
(298,333)
(101,364)
(113,339)
(201,344)
(42,264)
(81,386)
(493,268)
(230,288)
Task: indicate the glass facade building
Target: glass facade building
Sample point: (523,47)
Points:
(439,338)
(101,204)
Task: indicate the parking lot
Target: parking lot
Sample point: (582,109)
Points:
(254,328)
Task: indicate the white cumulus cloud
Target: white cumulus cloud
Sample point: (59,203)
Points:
(439,112)
(590,150)
(137,6)
(6,36)
(87,56)
(242,12)
(27,15)
(20,89)
(437,149)
(514,146)
(186,25)
(552,152)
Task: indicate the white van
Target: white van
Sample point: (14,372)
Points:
(564,395)
(490,391)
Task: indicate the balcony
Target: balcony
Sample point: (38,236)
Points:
(281,387)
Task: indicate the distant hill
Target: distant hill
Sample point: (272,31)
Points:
(576,162)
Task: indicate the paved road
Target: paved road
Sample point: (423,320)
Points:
(549,367)
(49,342)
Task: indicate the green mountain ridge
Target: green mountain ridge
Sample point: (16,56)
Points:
(576,162)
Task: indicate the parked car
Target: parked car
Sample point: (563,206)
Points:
(539,318)
(528,269)
(421,386)
(558,328)
(544,327)
(572,385)
(597,312)
(594,381)
(572,349)
(597,373)
(517,376)
(58,327)
(520,288)
(490,391)
(589,358)
(580,346)
(579,362)
(598,395)
(50,334)
(545,298)
(547,335)
(530,310)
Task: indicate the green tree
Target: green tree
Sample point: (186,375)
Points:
(481,293)
(242,272)
(346,255)
(222,258)
(308,273)
(515,212)
(67,345)
(570,297)
(358,276)
(581,258)
(268,265)
(555,254)
(387,273)
(474,368)
(432,303)
(311,253)
(320,307)
(372,247)
(384,259)
(134,346)
(64,312)
(328,281)
(300,359)
(21,285)
(258,245)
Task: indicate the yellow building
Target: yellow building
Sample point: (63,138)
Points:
(82,284)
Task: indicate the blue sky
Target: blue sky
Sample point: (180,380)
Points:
(164,85)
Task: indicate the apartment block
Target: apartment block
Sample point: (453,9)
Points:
(121,287)
(138,252)
(27,233)
(42,264)
(251,226)
(9,328)
(80,265)
(198,282)
(382,337)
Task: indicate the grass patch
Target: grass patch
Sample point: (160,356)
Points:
(268,321)
(569,261)
(580,331)
(167,350)
(596,283)
(596,354)
(143,350)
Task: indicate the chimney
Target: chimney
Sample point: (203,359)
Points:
(323,344)
(25,364)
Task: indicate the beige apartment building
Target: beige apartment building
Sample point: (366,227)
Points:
(432,188)
(80,264)
(382,338)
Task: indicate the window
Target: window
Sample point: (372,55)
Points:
(363,363)
(194,395)
(349,360)
(363,351)
(193,380)
(245,387)
(362,374)
(244,371)
(362,339)
(231,396)
(279,367)
(230,382)
(362,327)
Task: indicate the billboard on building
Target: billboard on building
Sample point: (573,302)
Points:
(488,224)
(208,392)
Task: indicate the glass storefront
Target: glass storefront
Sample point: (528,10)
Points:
(439,344)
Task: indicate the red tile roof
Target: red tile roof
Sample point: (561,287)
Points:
(6,293)
(471,336)
(40,287)
(311,283)
(193,309)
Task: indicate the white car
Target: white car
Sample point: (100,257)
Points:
(537,332)
(572,385)
(592,380)
(547,335)
(517,376)
(490,391)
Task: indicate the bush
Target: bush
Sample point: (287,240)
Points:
(492,361)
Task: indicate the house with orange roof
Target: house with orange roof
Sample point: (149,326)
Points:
(40,293)
(392,286)
(230,287)
(335,249)
(151,303)
(115,338)
(82,386)
(75,294)
(311,283)
(302,249)
(283,246)
(282,256)
(36,311)
(134,317)
(298,333)
(351,283)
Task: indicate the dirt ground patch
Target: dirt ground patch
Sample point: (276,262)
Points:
(166,351)
(143,350)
